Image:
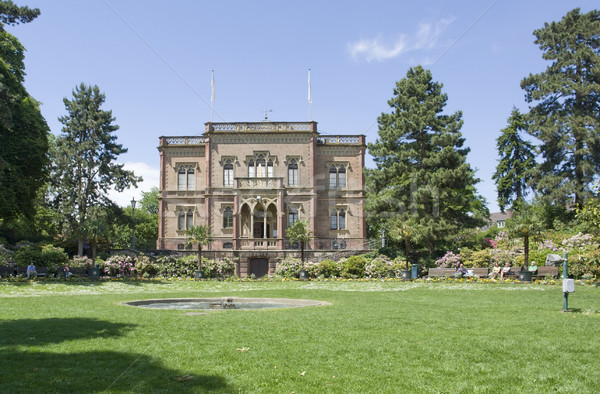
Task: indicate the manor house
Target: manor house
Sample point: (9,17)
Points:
(249,181)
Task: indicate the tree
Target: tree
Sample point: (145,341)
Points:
(199,235)
(517,159)
(589,214)
(525,223)
(422,174)
(84,167)
(565,117)
(149,202)
(23,129)
(299,232)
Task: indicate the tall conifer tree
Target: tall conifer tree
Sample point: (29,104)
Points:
(565,117)
(517,159)
(84,164)
(422,175)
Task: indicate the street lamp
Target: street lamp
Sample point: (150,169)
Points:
(133,219)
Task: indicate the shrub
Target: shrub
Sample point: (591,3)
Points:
(81,262)
(449,260)
(145,267)
(6,257)
(119,265)
(327,269)
(180,267)
(26,252)
(53,256)
(383,267)
(288,267)
(353,267)
(217,268)
(479,258)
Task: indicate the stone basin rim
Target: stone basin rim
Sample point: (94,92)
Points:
(292,302)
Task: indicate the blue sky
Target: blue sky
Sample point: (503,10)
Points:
(153,59)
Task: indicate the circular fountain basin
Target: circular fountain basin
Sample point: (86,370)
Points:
(223,303)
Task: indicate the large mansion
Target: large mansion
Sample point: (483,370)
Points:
(250,181)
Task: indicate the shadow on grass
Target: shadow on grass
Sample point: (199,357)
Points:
(95,371)
(26,367)
(36,332)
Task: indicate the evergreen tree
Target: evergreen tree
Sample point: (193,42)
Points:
(565,117)
(517,159)
(84,167)
(23,129)
(422,175)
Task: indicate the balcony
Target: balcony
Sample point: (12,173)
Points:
(259,183)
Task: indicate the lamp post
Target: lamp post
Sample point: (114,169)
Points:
(133,219)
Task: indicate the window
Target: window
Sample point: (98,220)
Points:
(501,223)
(337,176)
(185,219)
(251,173)
(228,218)
(338,219)
(292,216)
(260,166)
(186,178)
(228,174)
(293,173)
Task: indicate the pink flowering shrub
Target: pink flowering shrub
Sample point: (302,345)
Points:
(119,265)
(449,260)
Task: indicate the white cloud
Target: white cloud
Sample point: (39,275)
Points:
(426,37)
(151,179)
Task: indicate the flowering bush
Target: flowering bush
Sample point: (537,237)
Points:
(217,268)
(119,265)
(145,267)
(548,246)
(288,267)
(6,257)
(180,267)
(81,262)
(577,241)
(449,260)
(383,267)
(501,236)
(490,242)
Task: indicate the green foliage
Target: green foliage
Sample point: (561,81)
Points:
(525,223)
(200,236)
(27,252)
(11,14)
(54,256)
(84,163)
(23,131)
(327,269)
(589,215)
(422,175)
(6,257)
(353,267)
(149,202)
(517,159)
(145,267)
(564,116)
(383,267)
(476,258)
(289,267)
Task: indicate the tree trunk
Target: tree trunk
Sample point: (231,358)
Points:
(80,248)
(302,253)
(199,258)
(526,248)
(94,248)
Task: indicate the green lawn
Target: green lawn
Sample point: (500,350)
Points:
(375,337)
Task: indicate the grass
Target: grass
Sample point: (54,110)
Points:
(376,337)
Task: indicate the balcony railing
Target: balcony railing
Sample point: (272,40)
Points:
(261,126)
(259,183)
(339,140)
(184,140)
(319,244)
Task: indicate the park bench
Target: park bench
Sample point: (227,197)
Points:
(439,272)
(41,271)
(542,272)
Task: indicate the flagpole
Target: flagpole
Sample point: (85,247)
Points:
(309,98)
(212,94)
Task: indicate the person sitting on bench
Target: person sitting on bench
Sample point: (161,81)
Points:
(533,268)
(31,271)
(505,271)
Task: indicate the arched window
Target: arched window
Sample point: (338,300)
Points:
(332,177)
(342,219)
(189,220)
(251,169)
(293,173)
(181,221)
(341,177)
(292,216)
(260,166)
(181,179)
(228,218)
(270,169)
(191,179)
(228,174)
